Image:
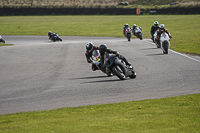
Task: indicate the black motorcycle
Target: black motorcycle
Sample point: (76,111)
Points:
(1,39)
(55,37)
(118,67)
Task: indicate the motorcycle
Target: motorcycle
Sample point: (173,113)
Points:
(55,37)
(113,66)
(138,32)
(96,60)
(1,39)
(164,42)
(128,33)
(118,67)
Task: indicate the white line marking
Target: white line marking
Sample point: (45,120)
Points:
(178,53)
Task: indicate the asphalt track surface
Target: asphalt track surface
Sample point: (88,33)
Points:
(37,74)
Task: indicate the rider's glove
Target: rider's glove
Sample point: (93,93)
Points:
(170,36)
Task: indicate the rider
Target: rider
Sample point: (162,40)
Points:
(104,50)
(1,39)
(88,54)
(125,27)
(153,29)
(134,26)
(50,34)
(161,30)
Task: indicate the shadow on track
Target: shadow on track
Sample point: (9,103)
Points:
(89,77)
(149,48)
(155,54)
(100,81)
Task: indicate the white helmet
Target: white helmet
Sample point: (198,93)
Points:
(162,26)
(156,23)
(134,25)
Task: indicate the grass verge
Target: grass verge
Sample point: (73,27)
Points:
(183,28)
(175,114)
(3,44)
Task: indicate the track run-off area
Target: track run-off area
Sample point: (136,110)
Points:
(38,74)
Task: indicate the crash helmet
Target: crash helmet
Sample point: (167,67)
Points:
(156,23)
(126,25)
(89,46)
(134,25)
(162,26)
(102,48)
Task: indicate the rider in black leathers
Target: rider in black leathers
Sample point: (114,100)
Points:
(50,34)
(125,27)
(103,49)
(88,54)
(153,29)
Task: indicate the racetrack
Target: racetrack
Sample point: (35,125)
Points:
(37,74)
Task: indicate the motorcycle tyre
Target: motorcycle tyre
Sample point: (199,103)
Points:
(133,75)
(140,36)
(118,74)
(165,48)
(129,39)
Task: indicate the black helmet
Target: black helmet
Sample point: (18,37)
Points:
(102,48)
(89,46)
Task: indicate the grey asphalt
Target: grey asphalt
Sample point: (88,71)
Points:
(37,74)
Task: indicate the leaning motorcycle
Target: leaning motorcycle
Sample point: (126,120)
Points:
(96,60)
(138,33)
(1,39)
(55,37)
(114,66)
(128,33)
(118,67)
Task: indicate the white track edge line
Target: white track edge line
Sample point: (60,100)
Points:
(179,53)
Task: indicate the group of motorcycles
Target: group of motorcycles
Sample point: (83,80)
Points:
(137,32)
(164,42)
(113,66)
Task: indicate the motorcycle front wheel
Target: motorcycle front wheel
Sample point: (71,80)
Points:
(119,71)
(133,75)
(165,48)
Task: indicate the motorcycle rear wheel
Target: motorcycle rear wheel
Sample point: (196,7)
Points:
(119,72)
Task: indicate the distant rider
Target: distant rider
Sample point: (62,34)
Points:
(104,50)
(134,26)
(50,34)
(88,54)
(1,39)
(160,31)
(125,27)
(153,29)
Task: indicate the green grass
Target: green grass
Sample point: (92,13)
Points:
(183,28)
(166,115)
(4,44)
